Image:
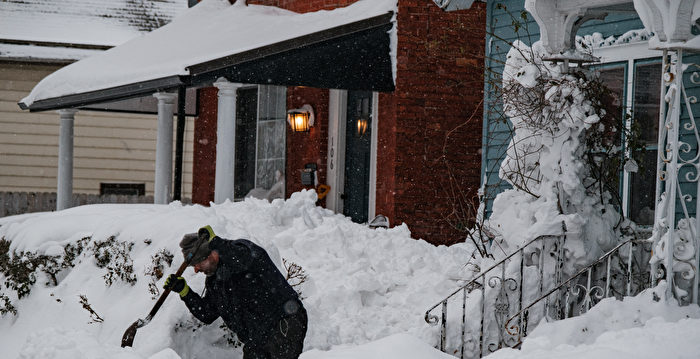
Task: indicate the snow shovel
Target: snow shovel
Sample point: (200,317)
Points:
(130,333)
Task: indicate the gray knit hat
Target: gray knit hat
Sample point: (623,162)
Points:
(198,247)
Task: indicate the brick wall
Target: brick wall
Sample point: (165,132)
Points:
(429,140)
(437,129)
(204,156)
(307,147)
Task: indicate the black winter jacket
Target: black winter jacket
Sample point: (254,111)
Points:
(247,291)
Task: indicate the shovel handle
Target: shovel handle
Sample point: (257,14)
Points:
(163,296)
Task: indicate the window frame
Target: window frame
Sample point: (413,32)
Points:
(628,56)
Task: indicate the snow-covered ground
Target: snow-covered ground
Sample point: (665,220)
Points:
(638,327)
(366,291)
(363,284)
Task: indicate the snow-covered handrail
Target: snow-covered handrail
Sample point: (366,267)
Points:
(506,284)
(588,291)
(539,275)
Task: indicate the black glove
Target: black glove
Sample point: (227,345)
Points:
(177,284)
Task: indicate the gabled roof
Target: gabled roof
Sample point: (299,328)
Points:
(352,47)
(74,29)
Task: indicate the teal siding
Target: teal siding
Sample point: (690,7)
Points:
(503,19)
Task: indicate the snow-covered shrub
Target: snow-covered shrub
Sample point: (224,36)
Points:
(563,160)
(6,305)
(295,276)
(94,317)
(21,270)
(156,269)
(115,257)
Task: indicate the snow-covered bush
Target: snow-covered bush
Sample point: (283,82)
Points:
(563,160)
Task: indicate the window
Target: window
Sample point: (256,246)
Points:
(641,96)
(260,138)
(645,110)
(126,189)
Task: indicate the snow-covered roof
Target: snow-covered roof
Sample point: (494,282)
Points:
(211,30)
(38,53)
(86,22)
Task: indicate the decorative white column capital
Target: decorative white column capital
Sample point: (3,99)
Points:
(226,87)
(165,97)
(668,21)
(559,20)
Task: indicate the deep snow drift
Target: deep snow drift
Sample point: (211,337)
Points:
(363,284)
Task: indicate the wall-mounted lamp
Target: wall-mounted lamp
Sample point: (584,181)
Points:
(362,126)
(363,116)
(301,119)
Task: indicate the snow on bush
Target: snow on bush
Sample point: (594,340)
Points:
(362,284)
(550,158)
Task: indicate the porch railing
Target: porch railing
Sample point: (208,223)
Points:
(622,271)
(526,286)
(482,338)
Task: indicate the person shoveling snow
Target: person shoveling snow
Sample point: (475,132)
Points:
(246,290)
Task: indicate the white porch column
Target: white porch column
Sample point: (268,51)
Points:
(64,191)
(225,140)
(164,148)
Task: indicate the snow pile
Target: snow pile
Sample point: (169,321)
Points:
(550,114)
(363,284)
(638,327)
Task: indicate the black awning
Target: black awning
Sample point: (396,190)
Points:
(353,57)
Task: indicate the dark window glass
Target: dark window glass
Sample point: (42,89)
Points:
(645,112)
(358,134)
(246,130)
(614,79)
(128,189)
(647,94)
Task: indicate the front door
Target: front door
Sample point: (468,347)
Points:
(358,125)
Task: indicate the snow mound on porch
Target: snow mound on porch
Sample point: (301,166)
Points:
(638,327)
(364,284)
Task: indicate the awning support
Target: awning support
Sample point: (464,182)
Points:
(225,140)
(179,142)
(64,192)
(164,148)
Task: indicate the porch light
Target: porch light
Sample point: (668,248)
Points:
(301,119)
(361,126)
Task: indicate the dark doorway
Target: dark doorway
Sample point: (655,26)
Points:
(358,134)
(246,133)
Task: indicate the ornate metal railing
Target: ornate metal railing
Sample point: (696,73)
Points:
(622,271)
(500,315)
(499,289)
(676,221)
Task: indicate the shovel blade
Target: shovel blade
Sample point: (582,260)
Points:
(129,334)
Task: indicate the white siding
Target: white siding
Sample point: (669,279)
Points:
(109,147)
